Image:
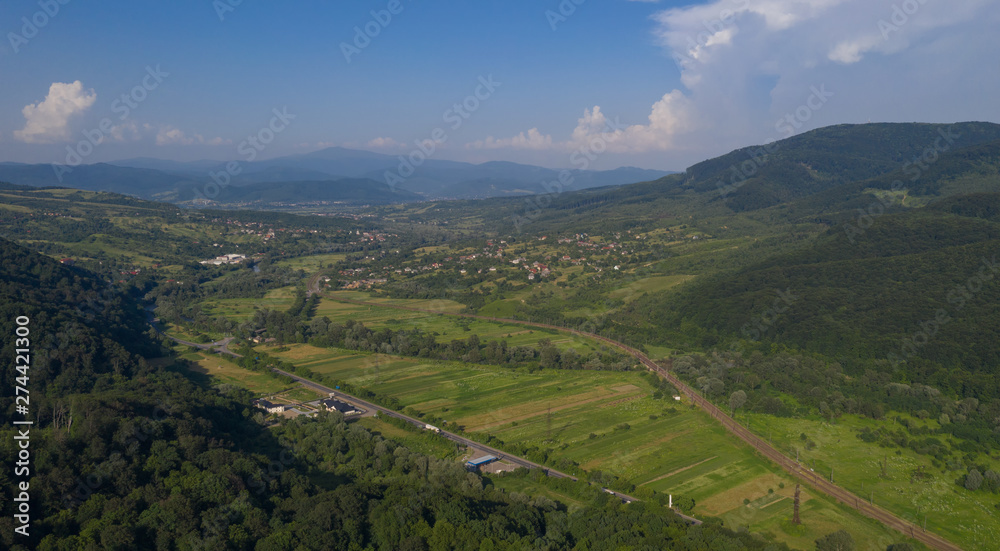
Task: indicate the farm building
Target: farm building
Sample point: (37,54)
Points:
(475,464)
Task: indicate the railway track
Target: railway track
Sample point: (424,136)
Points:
(791,466)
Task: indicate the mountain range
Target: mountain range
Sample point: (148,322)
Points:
(335,174)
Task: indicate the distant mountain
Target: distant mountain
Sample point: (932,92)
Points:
(140,182)
(433,179)
(347,191)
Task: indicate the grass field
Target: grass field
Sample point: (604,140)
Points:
(222,371)
(969,519)
(635,289)
(311,264)
(240,309)
(444,328)
(581,416)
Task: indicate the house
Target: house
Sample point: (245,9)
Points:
(269,406)
(336,405)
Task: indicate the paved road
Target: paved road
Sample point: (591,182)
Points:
(519,461)
(222,347)
(764,448)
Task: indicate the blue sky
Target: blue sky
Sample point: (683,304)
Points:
(652,84)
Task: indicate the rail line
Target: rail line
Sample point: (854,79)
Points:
(763,447)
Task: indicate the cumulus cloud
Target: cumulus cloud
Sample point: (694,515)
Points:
(48,120)
(746,65)
(384,143)
(533,139)
(671,115)
(168,135)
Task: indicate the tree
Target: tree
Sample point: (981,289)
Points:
(736,400)
(973,480)
(840,540)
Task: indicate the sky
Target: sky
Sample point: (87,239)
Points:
(654,84)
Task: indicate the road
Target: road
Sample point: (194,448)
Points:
(763,447)
(519,461)
(221,347)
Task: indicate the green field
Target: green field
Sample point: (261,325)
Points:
(241,309)
(668,447)
(312,264)
(968,519)
(221,371)
(444,328)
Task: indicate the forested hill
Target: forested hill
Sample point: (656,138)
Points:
(128,455)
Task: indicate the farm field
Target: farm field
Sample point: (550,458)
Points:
(240,309)
(222,371)
(660,444)
(968,519)
(445,328)
(311,264)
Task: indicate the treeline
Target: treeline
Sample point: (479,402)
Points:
(354,335)
(820,387)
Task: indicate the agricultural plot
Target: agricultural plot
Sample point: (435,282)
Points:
(241,309)
(312,264)
(446,328)
(967,518)
(221,371)
(605,422)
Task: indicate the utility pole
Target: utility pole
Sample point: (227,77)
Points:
(795,507)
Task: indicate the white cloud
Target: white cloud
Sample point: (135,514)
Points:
(384,143)
(671,115)
(533,139)
(168,135)
(48,120)
(746,63)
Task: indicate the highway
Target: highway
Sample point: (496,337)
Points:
(791,466)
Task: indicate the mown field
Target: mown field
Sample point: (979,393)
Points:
(222,371)
(312,264)
(607,422)
(966,518)
(444,328)
(240,309)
